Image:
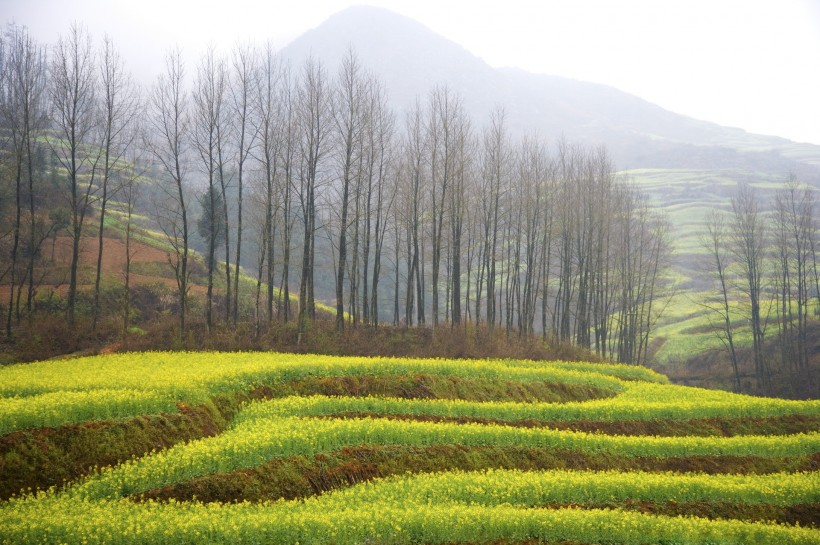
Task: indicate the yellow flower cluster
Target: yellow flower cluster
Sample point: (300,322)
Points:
(72,407)
(640,401)
(254,442)
(329,520)
(448,507)
(120,385)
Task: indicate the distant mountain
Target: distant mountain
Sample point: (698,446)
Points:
(412,59)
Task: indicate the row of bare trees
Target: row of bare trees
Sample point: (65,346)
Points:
(764,258)
(531,241)
(427,214)
(64,117)
(23,108)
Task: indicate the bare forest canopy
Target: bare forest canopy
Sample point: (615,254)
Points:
(393,178)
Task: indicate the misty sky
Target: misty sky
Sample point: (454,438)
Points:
(743,63)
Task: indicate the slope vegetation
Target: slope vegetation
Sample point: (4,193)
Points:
(280,448)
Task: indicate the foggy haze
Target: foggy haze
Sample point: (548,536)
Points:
(745,64)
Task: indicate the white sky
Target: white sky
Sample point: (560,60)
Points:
(744,63)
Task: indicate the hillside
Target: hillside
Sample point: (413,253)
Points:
(351,450)
(646,141)
(153,308)
(412,59)
(686,168)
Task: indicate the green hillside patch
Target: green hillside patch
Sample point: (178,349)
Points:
(689,327)
(687,198)
(281,448)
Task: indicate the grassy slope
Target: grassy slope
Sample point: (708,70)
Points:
(686,331)
(687,196)
(571,416)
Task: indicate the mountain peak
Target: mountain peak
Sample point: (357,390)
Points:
(370,13)
(411,60)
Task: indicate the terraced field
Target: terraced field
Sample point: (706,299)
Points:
(275,448)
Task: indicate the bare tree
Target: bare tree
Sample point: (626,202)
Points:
(795,231)
(414,150)
(657,247)
(314,118)
(495,169)
(73,95)
(748,235)
(23,114)
(380,194)
(224,135)
(208,100)
(119,106)
(288,158)
(588,213)
(272,131)
(604,252)
(241,90)
(547,243)
(533,172)
(444,113)
(462,171)
(170,126)
(783,253)
(130,190)
(524,227)
(569,160)
(348,117)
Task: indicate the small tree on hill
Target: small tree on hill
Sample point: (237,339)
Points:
(211,227)
(169,122)
(73,95)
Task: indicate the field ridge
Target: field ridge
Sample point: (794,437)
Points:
(263,447)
